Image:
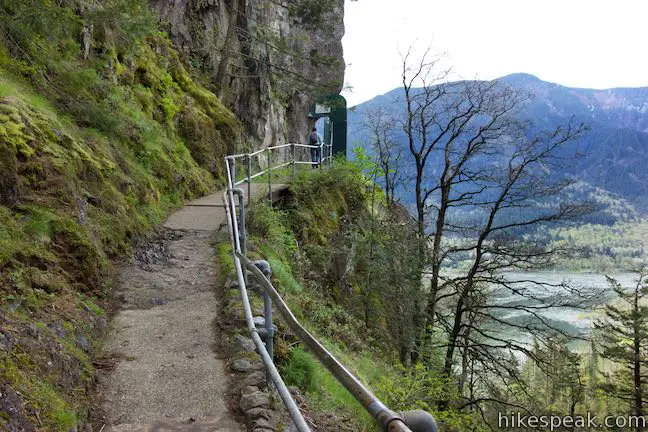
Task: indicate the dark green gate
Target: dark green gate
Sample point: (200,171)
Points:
(334,108)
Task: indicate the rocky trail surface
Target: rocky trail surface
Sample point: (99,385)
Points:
(165,373)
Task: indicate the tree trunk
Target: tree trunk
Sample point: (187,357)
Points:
(436,259)
(405,352)
(419,321)
(638,394)
(464,364)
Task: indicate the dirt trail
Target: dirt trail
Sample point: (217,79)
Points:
(167,376)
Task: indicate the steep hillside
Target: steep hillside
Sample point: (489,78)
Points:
(345,263)
(106,124)
(619,108)
(102,132)
(614,151)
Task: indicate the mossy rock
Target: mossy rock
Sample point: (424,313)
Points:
(8,175)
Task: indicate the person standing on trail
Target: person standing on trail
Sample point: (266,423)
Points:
(315,139)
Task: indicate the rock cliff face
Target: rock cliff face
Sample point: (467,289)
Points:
(266,59)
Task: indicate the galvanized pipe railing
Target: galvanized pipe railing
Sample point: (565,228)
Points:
(388,420)
(325,157)
(271,369)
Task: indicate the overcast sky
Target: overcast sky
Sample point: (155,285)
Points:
(577,43)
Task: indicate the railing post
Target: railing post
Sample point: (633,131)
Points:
(249,178)
(269,178)
(267,314)
(319,151)
(330,146)
(233,172)
(242,230)
(283,391)
(294,160)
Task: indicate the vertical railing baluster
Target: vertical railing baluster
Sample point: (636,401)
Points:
(269,178)
(249,178)
(294,161)
(389,420)
(267,314)
(233,168)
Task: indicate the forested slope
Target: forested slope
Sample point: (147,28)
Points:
(345,261)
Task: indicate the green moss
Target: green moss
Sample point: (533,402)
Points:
(322,199)
(225,260)
(55,412)
(316,216)
(12,130)
(272,228)
(91,304)
(93,152)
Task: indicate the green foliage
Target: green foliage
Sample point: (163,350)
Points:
(225,260)
(39,225)
(300,370)
(283,273)
(365,163)
(132,85)
(39,369)
(328,215)
(556,375)
(420,388)
(602,248)
(270,227)
(312,14)
(102,133)
(323,198)
(335,401)
(623,337)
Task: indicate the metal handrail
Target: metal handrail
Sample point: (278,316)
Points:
(247,159)
(268,362)
(385,417)
(242,155)
(390,421)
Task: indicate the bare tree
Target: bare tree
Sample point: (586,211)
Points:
(386,151)
(482,179)
(521,185)
(448,126)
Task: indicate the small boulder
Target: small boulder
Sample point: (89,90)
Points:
(249,390)
(246,344)
(257,399)
(5,342)
(83,343)
(257,379)
(262,423)
(256,413)
(246,365)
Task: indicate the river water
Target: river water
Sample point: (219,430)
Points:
(573,320)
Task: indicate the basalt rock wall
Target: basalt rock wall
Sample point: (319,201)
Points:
(268,60)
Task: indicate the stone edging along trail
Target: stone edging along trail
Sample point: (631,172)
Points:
(166,374)
(164,366)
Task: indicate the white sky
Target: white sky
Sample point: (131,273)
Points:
(577,43)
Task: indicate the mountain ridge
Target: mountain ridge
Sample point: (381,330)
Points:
(615,147)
